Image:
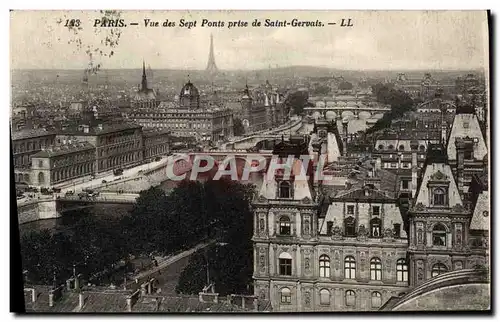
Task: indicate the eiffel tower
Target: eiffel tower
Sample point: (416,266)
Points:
(211,66)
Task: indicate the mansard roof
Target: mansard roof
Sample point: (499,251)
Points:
(363,195)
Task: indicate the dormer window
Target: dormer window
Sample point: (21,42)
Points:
(285,190)
(350,210)
(439,197)
(375,227)
(350,227)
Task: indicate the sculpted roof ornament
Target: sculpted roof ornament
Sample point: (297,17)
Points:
(261,199)
(419,206)
(306,200)
(439,176)
(459,208)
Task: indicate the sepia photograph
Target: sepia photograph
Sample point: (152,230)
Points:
(250,161)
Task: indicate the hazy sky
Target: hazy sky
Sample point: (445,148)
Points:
(379,40)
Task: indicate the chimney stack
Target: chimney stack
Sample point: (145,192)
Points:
(460,147)
(81,300)
(414,167)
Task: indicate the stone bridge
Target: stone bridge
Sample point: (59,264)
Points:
(56,206)
(335,112)
(250,141)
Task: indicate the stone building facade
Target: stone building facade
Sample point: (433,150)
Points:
(117,145)
(61,163)
(156,142)
(25,144)
(188,117)
(346,252)
(439,224)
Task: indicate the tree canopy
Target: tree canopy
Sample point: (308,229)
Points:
(238,127)
(297,101)
(399,101)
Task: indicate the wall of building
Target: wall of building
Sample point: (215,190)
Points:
(37,210)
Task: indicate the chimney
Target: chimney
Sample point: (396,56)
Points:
(460,147)
(129,304)
(81,300)
(414,168)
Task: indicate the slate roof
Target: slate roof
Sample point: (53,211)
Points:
(479,221)
(63,149)
(30,133)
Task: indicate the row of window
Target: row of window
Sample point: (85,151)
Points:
(349,227)
(325,297)
(285,267)
(35,145)
(401,147)
(119,148)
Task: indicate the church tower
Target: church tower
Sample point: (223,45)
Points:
(246,107)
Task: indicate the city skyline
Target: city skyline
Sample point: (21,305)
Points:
(446,40)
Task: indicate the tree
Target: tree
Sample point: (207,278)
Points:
(238,127)
(321,90)
(399,101)
(230,262)
(345,86)
(297,101)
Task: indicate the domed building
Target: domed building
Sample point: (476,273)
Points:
(189,117)
(145,96)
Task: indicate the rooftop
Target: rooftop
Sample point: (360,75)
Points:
(30,133)
(63,149)
(104,129)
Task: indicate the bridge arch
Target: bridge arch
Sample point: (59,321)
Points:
(363,115)
(347,114)
(331,115)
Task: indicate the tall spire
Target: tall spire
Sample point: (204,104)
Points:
(211,66)
(144,83)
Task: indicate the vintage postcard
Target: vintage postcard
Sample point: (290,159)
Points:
(250,161)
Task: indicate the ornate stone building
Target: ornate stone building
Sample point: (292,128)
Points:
(342,252)
(25,144)
(439,223)
(188,117)
(262,108)
(63,162)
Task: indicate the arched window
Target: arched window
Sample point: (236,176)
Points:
(285,226)
(375,269)
(401,270)
(285,264)
(324,266)
(439,197)
(391,147)
(284,189)
(350,267)
(376,300)
(401,147)
(438,269)
(286,295)
(350,298)
(375,225)
(324,297)
(41,178)
(421,148)
(350,226)
(380,147)
(439,235)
